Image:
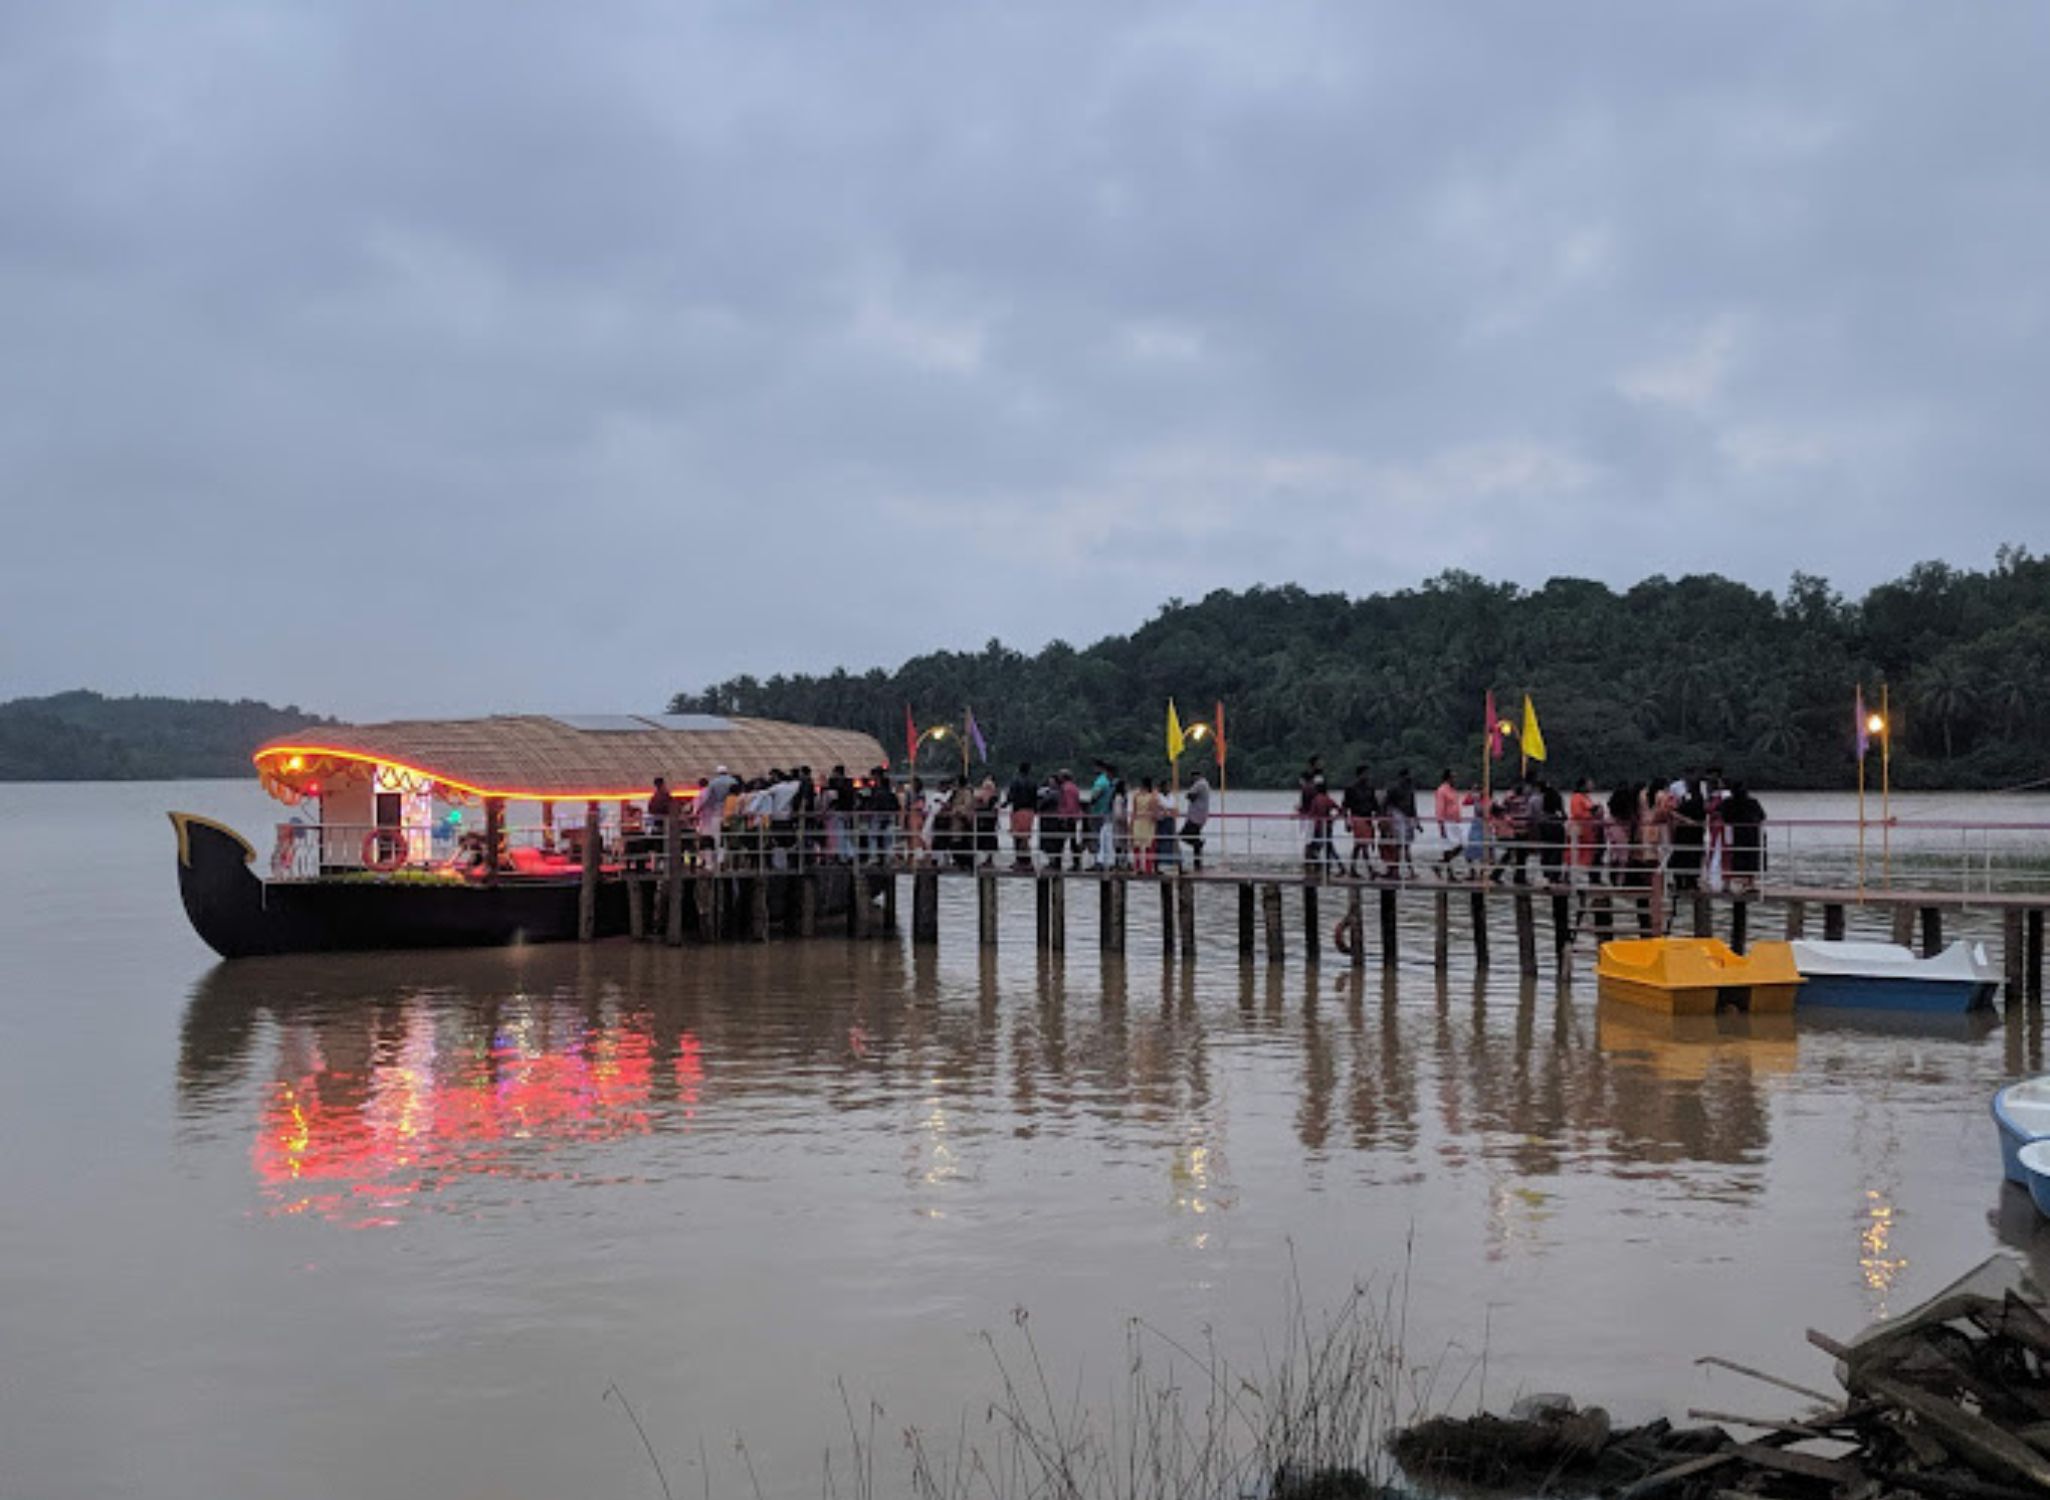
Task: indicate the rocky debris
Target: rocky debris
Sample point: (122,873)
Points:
(1949,1402)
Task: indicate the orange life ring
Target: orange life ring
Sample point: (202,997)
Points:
(1341,936)
(384,849)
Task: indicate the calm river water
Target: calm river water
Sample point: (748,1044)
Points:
(390,1226)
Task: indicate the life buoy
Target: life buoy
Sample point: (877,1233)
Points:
(384,849)
(1341,936)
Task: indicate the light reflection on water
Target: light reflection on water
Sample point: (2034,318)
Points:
(388,1225)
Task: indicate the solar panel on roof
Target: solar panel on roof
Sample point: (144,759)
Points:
(603,723)
(699,723)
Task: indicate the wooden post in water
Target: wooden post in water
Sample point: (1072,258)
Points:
(1526,936)
(1185,907)
(1604,919)
(1904,926)
(1167,916)
(705,888)
(1270,910)
(1562,923)
(986,910)
(808,904)
(1740,925)
(1704,915)
(636,928)
(1355,926)
(2033,979)
(925,907)
(587,896)
(1797,920)
(672,879)
(1104,919)
(1246,940)
(1042,910)
(1932,931)
(1479,902)
(1057,914)
(889,880)
(858,908)
(758,907)
(1832,921)
(2011,949)
(1312,947)
(1441,931)
(1390,941)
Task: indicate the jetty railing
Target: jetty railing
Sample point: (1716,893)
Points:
(1958,857)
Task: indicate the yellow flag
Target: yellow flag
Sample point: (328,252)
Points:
(1533,737)
(1175,742)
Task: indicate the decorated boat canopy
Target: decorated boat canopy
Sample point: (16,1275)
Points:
(543,758)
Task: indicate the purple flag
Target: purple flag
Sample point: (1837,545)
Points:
(1864,737)
(974,733)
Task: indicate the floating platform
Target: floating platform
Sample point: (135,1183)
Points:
(1698,976)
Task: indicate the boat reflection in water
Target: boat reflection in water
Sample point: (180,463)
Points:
(380,1084)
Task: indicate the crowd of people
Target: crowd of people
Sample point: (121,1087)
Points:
(1697,829)
(1051,820)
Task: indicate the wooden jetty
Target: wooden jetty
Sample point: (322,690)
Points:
(1545,922)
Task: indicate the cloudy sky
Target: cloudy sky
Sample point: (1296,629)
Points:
(399,357)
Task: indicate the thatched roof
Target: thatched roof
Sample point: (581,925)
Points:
(535,757)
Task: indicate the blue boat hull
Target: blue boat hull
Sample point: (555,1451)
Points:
(1850,992)
(2011,1143)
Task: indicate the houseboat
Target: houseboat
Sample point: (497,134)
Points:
(465,833)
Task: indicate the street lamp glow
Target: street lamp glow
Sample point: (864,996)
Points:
(1875,724)
(1199,731)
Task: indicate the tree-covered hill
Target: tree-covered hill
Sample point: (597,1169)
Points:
(82,736)
(1668,674)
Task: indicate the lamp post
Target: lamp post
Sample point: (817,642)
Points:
(1880,727)
(937,732)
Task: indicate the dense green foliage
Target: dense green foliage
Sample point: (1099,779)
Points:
(82,736)
(1669,674)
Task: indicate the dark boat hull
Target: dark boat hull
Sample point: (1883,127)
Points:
(239,916)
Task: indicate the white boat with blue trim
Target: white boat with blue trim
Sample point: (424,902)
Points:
(2021,1112)
(1890,976)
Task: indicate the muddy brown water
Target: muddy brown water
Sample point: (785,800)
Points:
(390,1225)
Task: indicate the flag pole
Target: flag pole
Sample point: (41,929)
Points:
(1885,786)
(1858,709)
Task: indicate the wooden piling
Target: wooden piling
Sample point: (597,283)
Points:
(2011,949)
(1105,939)
(858,908)
(889,881)
(1389,939)
(1832,921)
(1270,910)
(1604,919)
(808,904)
(672,879)
(925,907)
(636,925)
(1313,947)
(1904,926)
(1057,914)
(1355,927)
(1247,946)
(1526,935)
(587,896)
(1441,931)
(706,891)
(986,910)
(1932,931)
(1167,918)
(1042,909)
(1740,925)
(1479,902)
(1704,915)
(1562,923)
(2033,978)
(1797,920)
(1185,906)
(758,907)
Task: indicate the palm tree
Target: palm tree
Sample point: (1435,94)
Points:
(1942,689)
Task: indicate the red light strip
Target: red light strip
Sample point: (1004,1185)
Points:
(267,762)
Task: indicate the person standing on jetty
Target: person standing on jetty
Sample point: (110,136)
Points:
(711,814)
(1362,805)
(1445,806)
(1744,827)
(1195,817)
(1069,807)
(1400,805)
(1102,793)
(1145,823)
(1021,797)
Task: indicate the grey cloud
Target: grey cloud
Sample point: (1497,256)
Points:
(352,351)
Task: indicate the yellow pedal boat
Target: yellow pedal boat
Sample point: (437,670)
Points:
(1698,976)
